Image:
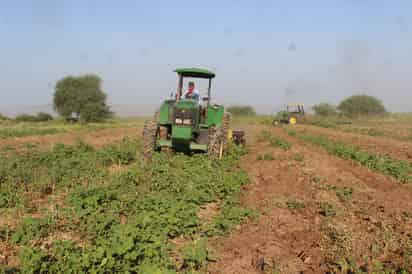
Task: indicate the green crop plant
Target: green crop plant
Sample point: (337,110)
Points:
(265,157)
(31,228)
(280,143)
(126,219)
(400,170)
(9,197)
(327,209)
(195,254)
(274,141)
(344,193)
(32,169)
(299,157)
(264,136)
(294,204)
(231,214)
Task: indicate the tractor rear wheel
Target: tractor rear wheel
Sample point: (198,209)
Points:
(293,120)
(216,142)
(150,134)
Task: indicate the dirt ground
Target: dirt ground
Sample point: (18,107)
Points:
(318,214)
(98,138)
(396,149)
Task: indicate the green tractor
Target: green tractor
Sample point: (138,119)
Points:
(189,125)
(294,113)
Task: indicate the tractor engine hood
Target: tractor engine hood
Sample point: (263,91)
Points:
(186,104)
(185,113)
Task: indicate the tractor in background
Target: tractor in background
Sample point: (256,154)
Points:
(188,125)
(293,114)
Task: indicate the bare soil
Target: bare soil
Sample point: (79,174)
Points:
(310,222)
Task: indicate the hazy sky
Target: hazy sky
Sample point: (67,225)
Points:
(265,53)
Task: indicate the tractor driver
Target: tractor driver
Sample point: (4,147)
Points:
(192,93)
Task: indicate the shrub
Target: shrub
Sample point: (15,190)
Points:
(44,117)
(25,118)
(358,105)
(5,118)
(242,110)
(325,109)
(39,117)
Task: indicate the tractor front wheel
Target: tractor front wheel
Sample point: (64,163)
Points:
(150,134)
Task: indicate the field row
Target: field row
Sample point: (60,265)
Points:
(400,170)
(321,211)
(397,129)
(18,130)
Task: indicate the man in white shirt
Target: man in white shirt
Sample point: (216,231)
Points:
(192,93)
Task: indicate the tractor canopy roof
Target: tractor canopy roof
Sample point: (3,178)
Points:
(195,73)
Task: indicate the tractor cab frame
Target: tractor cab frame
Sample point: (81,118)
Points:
(295,108)
(194,73)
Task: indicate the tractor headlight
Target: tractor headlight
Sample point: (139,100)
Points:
(187,121)
(178,121)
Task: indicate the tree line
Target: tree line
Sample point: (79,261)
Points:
(353,106)
(82,99)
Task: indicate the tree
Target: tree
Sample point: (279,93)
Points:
(95,112)
(325,109)
(358,105)
(241,110)
(79,97)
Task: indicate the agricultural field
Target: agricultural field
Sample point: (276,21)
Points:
(45,134)
(311,198)
(393,126)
